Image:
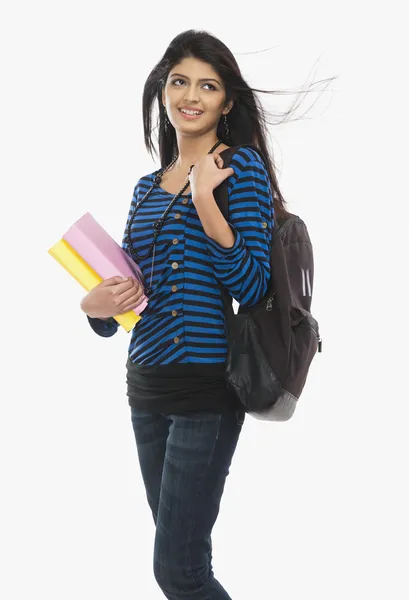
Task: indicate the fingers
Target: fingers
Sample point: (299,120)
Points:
(132,306)
(131,298)
(134,292)
(219,161)
(123,285)
(113,281)
(133,302)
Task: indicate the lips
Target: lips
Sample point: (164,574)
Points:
(192,109)
(187,117)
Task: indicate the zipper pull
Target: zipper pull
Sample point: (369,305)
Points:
(319,344)
(269,305)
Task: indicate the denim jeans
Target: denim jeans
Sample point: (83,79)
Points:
(184,461)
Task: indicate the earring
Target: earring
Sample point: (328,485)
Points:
(166,120)
(226,127)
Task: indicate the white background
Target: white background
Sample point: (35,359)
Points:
(315,507)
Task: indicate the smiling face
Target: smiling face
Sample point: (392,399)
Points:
(194,84)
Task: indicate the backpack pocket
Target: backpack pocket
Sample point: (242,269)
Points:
(305,340)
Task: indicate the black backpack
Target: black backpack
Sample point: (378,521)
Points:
(271,344)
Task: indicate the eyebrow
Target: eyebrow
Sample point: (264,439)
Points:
(203,79)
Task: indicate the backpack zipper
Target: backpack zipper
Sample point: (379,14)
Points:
(319,338)
(269,305)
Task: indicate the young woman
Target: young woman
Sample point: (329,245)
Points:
(185,420)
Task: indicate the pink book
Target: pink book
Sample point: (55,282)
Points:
(102,252)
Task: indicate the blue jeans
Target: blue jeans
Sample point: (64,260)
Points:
(185,460)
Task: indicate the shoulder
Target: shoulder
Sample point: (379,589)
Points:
(249,170)
(246,160)
(144,183)
(245,155)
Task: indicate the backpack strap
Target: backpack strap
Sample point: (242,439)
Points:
(221,193)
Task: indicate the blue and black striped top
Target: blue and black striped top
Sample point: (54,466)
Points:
(184,320)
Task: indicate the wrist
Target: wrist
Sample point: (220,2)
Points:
(88,312)
(202,193)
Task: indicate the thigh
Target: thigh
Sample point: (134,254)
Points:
(199,452)
(151,433)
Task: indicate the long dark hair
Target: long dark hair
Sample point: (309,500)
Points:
(247,120)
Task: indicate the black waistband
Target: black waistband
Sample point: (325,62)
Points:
(176,370)
(178,387)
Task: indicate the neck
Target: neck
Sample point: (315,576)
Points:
(193,148)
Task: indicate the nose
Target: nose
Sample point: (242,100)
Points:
(191,96)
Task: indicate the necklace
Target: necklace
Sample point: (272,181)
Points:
(157,226)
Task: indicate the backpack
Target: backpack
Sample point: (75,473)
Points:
(272,343)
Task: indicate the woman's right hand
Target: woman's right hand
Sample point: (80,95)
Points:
(112,297)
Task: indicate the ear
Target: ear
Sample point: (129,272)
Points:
(228,107)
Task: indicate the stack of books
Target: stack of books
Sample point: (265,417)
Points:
(90,255)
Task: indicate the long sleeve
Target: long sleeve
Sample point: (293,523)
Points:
(244,269)
(130,211)
(103,328)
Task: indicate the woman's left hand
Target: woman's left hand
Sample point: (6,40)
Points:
(207,174)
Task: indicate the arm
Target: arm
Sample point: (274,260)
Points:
(103,327)
(240,248)
(108,327)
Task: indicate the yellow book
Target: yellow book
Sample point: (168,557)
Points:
(87,277)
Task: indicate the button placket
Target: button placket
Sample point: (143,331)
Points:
(175,265)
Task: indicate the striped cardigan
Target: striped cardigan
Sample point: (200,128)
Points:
(184,320)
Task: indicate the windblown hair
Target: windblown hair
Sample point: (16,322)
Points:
(247,120)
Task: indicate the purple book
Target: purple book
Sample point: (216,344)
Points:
(102,252)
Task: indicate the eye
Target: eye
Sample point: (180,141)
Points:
(179,79)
